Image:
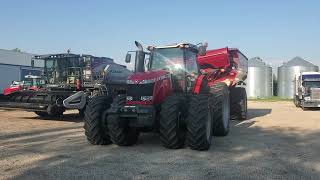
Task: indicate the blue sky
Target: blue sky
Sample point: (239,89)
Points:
(274,30)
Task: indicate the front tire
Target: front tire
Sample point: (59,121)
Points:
(120,132)
(172,134)
(95,120)
(199,122)
(296,101)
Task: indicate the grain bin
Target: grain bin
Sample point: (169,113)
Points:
(287,73)
(259,80)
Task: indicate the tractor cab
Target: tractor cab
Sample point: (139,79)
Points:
(32,82)
(72,71)
(168,69)
(60,70)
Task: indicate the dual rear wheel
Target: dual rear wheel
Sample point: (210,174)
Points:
(206,115)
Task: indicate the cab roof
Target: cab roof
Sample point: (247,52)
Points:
(176,45)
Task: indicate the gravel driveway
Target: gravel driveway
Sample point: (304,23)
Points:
(279,141)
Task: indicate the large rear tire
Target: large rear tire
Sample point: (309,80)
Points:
(199,122)
(172,132)
(238,103)
(95,120)
(221,109)
(120,132)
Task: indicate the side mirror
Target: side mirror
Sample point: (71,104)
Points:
(202,50)
(32,63)
(128,58)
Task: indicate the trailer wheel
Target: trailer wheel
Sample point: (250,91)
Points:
(120,132)
(55,111)
(199,122)
(95,120)
(172,132)
(221,109)
(238,103)
(52,111)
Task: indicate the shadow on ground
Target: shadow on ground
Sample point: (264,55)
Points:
(253,113)
(248,152)
(66,117)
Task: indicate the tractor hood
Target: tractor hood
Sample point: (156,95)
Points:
(147,77)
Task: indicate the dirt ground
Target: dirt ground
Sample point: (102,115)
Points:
(279,141)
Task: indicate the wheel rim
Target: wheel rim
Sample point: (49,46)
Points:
(209,126)
(225,112)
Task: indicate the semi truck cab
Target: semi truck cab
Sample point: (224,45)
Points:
(307,90)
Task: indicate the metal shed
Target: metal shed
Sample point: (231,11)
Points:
(14,66)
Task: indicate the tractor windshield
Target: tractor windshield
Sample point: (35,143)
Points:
(58,69)
(167,58)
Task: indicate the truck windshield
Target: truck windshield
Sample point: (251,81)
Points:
(167,58)
(33,81)
(311,84)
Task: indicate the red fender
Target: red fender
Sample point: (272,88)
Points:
(196,89)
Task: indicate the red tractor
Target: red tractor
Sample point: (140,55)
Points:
(30,82)
(180,91)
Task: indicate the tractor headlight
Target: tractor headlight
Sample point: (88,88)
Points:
(130,82)
(178,66)
(307,98)
(146,98)
(147,81)
(129,98)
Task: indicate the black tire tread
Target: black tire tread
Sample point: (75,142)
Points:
(41,113)
(237,94)
(95,129)
(219,92)
(171,135)
(197,122)
(120,133)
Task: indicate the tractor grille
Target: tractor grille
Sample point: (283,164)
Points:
(138,90)
(315,93)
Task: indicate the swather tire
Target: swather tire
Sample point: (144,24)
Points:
(41,114)
(172,134)
(95,126)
